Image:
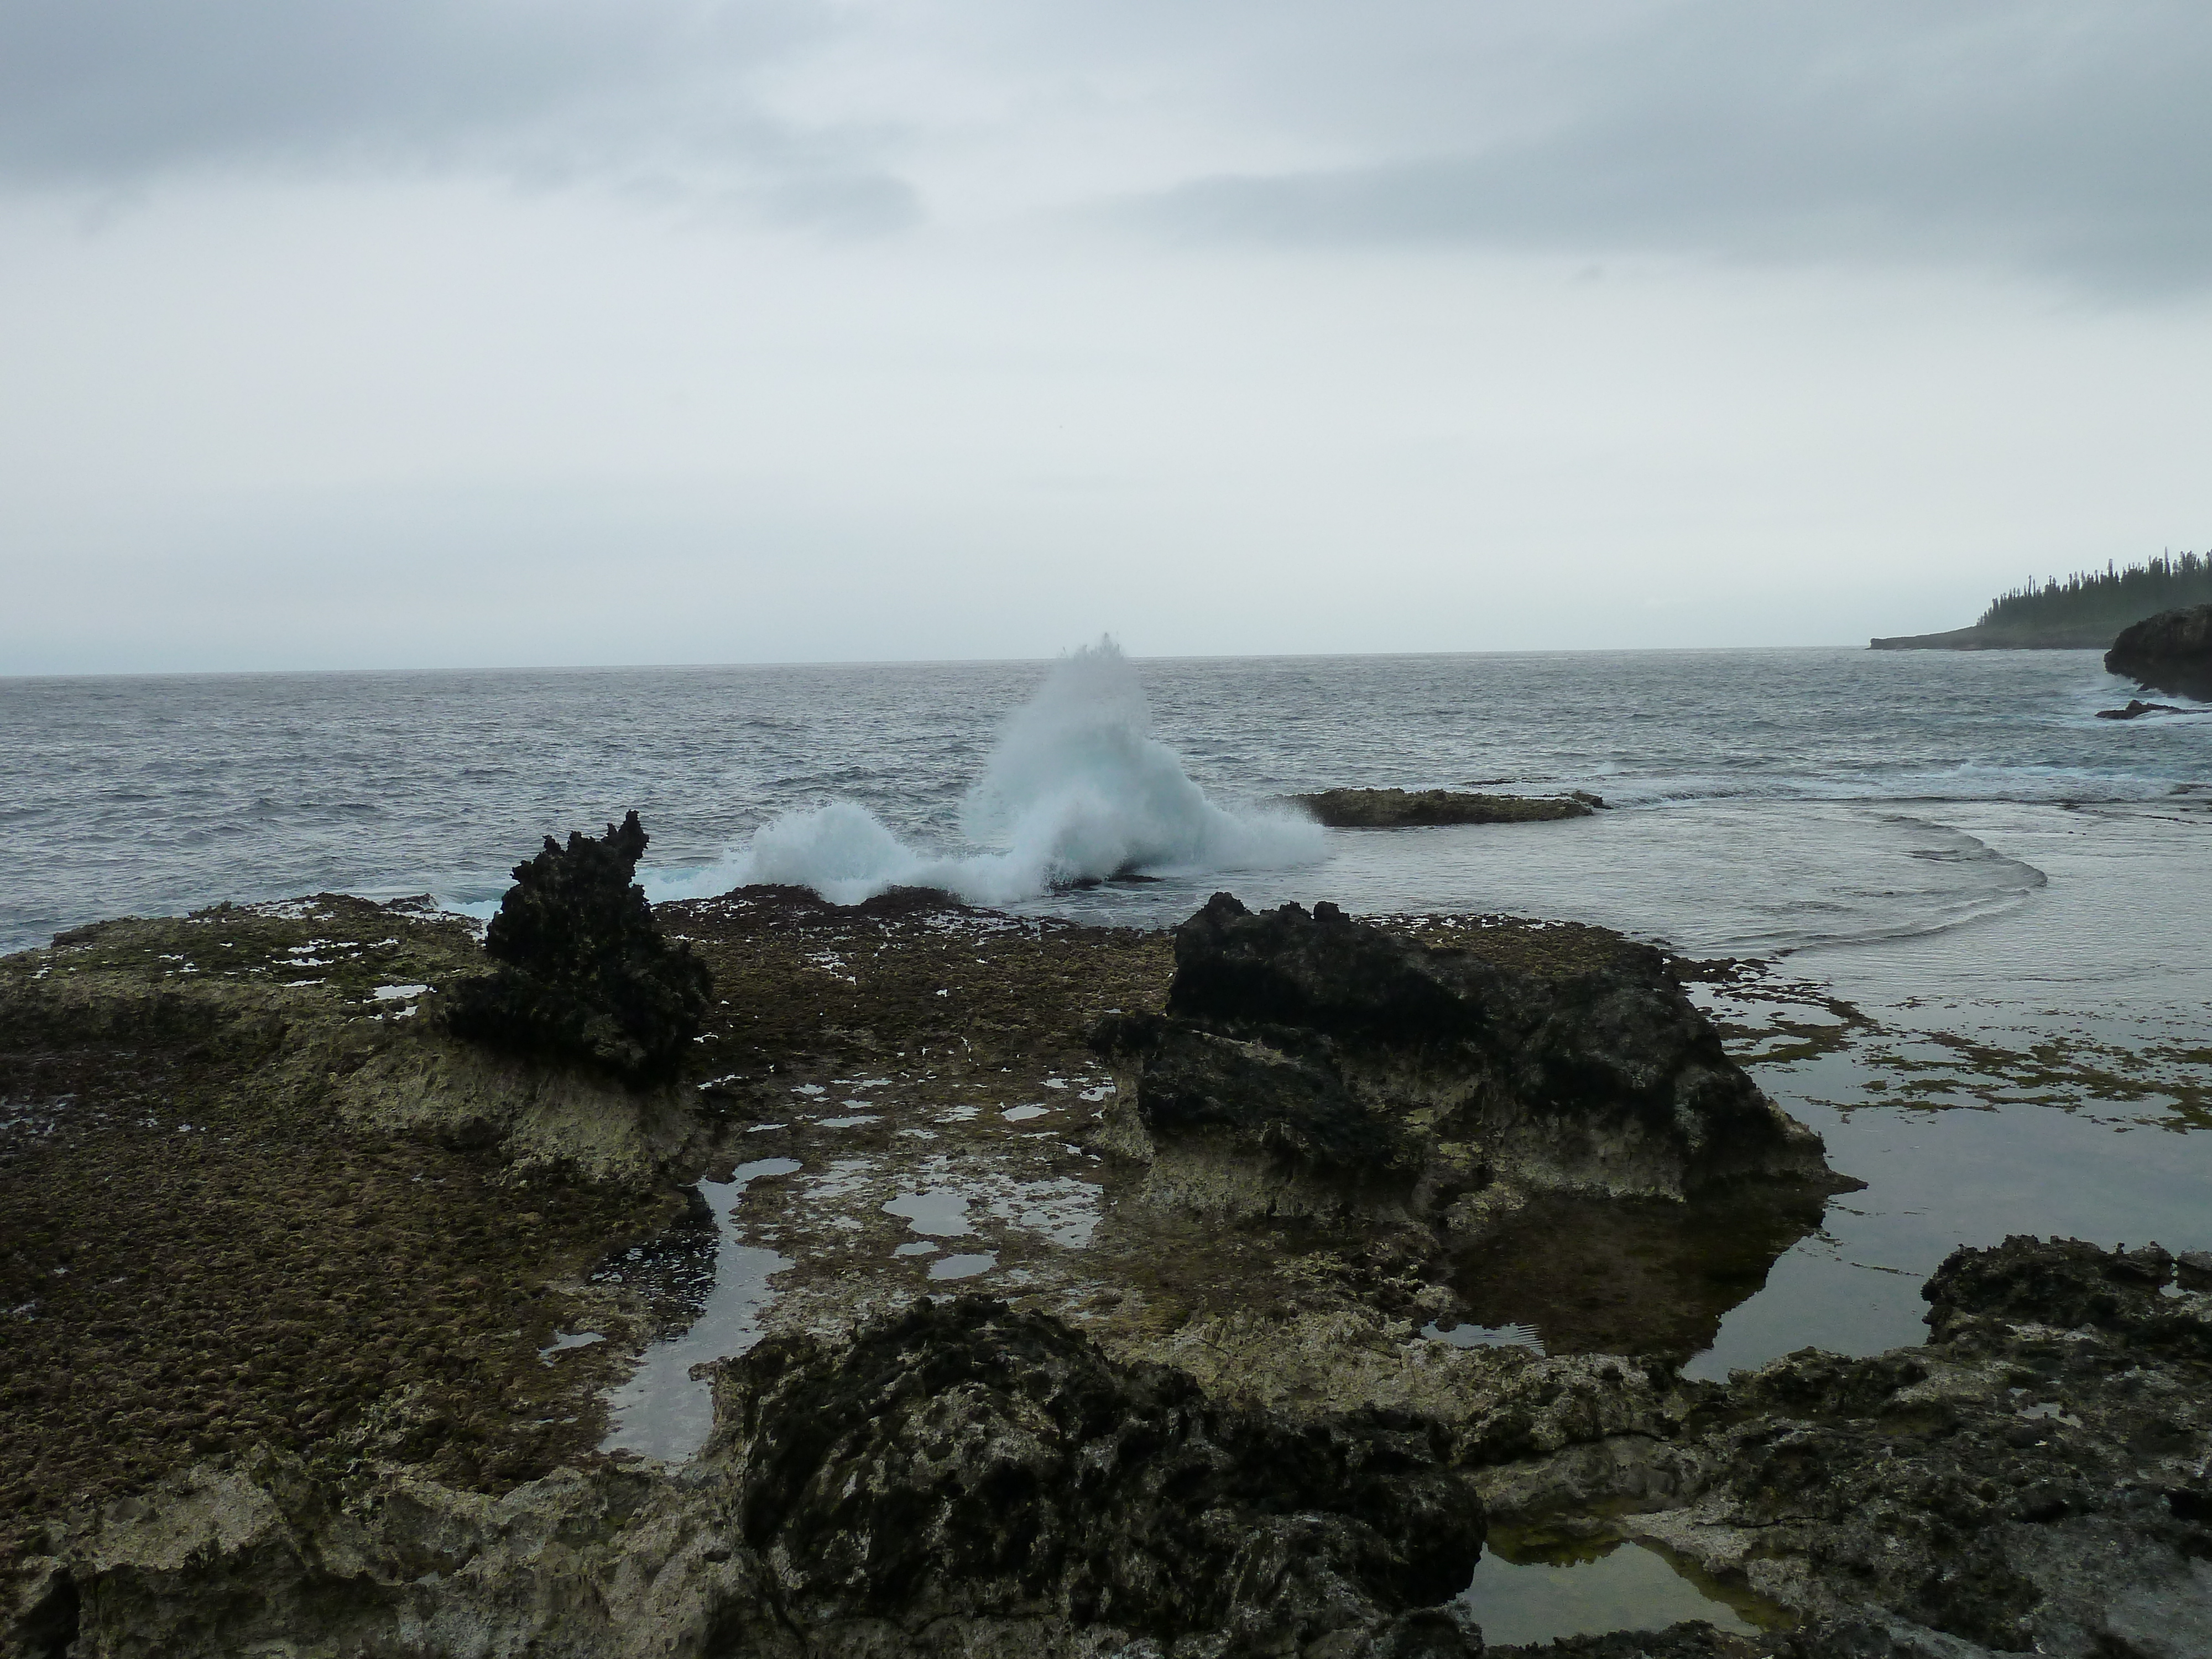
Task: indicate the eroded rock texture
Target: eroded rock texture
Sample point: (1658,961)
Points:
(2035,1479)
(957,1479)
(584,972)
(1314,1065)
(964,1460)
(2170,652)
(963,1480)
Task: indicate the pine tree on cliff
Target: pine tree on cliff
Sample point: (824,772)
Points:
(583,973)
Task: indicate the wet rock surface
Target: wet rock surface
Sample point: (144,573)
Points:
(962,1478)
(2171,651)
(302,1384)
(2029,1481)
(963,1460)
(1394,808)
(965,1479)
(200,1255)
(1313,1065)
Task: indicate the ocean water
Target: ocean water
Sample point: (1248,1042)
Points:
(155,794)
(2002,894)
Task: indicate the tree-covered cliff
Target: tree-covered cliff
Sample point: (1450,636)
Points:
(2083,611)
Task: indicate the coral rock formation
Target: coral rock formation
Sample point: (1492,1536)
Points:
(583,969)
(959,1479)
(1314,1065)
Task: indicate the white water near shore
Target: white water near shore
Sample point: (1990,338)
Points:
(1078,790)
(156,794)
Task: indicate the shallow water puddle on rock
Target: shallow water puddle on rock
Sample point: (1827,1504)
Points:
(662,1411)
(1585,1275)
(1484,1336)
(2129,1172)
(1542,1595)
(962,1267)
(938,1212)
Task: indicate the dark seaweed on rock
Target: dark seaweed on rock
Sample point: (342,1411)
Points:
(584,971)
(963,1460)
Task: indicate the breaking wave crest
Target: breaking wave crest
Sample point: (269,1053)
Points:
(1078,790)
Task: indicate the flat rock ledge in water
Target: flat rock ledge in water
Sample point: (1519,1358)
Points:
(1314,1066)
(2170,652)
(1397,808)
(961,1480)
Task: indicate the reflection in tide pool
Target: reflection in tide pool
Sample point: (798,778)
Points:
(1629,1275)
(1484,1336)
(1940,1178)
(663,1411)
(1538,1596)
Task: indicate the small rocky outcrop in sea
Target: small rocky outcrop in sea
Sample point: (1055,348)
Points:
(584,972)
(1312,1065)
(2171,651)
(1397,809)
(2136,709)
(956,1479)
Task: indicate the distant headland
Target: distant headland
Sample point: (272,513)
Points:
(2081,613)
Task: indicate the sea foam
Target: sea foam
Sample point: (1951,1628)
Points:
(1078,790)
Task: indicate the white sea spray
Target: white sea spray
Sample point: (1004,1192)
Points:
(1078,789)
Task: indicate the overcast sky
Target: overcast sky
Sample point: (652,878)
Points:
(455,332)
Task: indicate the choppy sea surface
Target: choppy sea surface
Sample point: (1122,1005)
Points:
(1995,902)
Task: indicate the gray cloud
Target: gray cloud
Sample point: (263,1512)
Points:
(2065,140)
(2026,133)
(653,95)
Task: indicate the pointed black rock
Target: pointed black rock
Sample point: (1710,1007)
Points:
(583,973)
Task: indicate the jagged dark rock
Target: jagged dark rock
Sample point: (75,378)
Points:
(584,972)
(2171,651)
(1314,1065)
(963,1461)
(2033,1478)
(2069,1283)
(964,1481)
(956,1479)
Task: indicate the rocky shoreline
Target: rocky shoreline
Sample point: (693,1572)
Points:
(310,1379)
